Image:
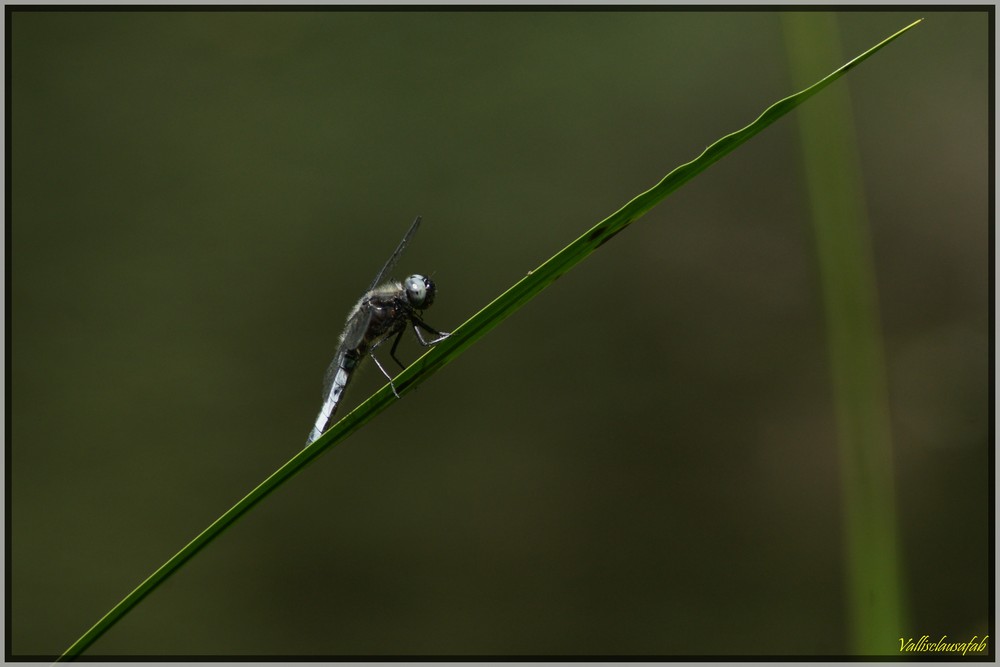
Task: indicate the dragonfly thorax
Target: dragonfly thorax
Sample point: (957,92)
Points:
(420,291)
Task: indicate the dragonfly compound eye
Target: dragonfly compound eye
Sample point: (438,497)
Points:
(419,291)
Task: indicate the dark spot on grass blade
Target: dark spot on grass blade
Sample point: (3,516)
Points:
(598,233)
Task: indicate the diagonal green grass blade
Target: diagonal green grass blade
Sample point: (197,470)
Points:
(471,331)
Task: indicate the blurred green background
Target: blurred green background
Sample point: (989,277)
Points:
(643,460)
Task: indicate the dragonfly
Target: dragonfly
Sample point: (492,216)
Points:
(384,311)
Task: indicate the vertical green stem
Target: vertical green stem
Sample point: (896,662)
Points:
(854,341)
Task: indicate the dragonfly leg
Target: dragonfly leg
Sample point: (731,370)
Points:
(387,376)
(395,344)
(420,324)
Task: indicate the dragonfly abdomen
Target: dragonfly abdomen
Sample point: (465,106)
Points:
(338,376)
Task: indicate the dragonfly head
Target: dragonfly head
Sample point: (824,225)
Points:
(420,291)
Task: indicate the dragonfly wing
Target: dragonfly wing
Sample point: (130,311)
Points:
(357,326)
(391,263)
